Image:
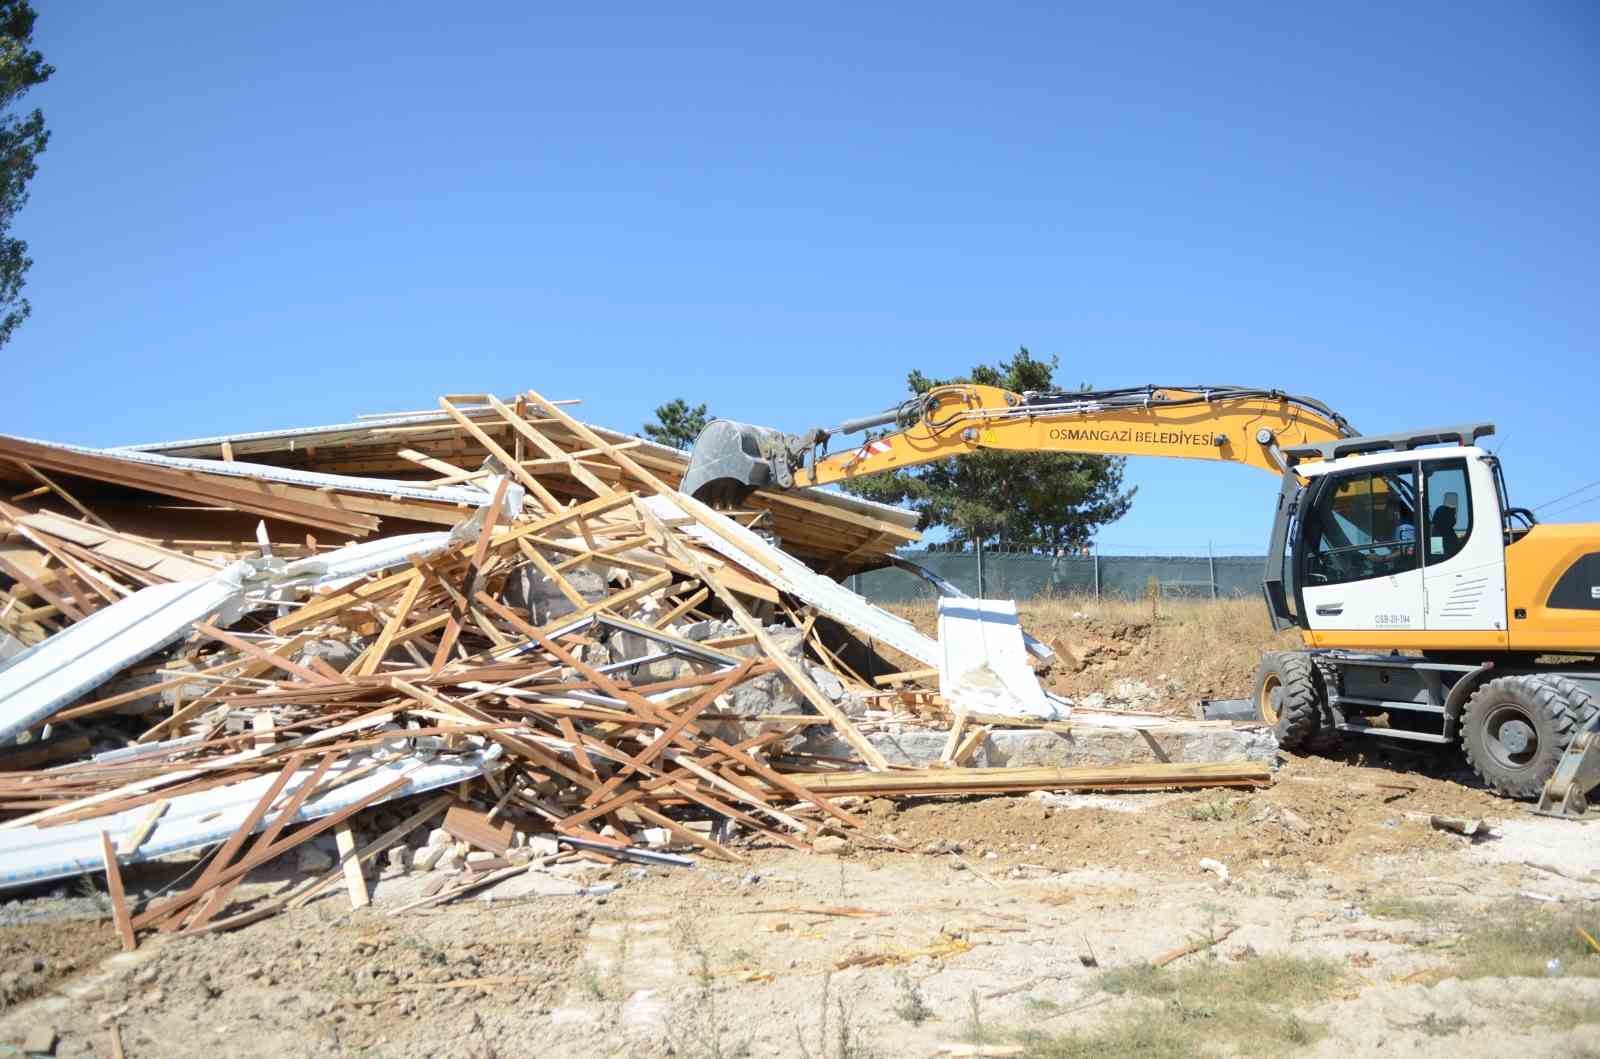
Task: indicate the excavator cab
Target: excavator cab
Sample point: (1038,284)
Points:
(1408,545)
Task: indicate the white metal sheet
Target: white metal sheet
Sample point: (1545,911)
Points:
(983,663)
(86,654)
(798,579)
(192,821)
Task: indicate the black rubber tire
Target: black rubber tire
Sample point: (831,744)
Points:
(1555,708)
(1299,709)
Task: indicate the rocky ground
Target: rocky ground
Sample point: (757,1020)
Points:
(1327,917)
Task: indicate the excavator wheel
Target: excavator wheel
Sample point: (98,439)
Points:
(1288,697)
(1515,729)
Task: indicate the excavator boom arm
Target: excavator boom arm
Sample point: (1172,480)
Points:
(1225,423)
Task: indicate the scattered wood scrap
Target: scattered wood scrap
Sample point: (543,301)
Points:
(565,676)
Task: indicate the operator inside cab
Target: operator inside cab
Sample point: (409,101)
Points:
(1443,539)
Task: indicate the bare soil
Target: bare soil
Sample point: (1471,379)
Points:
(1347,925)
(985,933)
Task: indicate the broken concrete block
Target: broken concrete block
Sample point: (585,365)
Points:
(528,589)
(830,844)
(41,1040)
(429,857)
(311,860)
(335,653)
(543,846)
(399,858)
(826,682)
(439,837)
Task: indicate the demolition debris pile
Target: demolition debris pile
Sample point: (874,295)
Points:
(522,629)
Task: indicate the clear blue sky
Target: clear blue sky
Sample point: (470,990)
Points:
(262,215)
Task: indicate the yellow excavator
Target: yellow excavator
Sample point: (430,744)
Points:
(1430,608)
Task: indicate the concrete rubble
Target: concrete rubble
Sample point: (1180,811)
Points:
(521,651)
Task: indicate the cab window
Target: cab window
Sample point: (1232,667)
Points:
(1448,503)
(1363,525)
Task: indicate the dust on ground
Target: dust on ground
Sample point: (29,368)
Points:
(1015,923)
(1346,925)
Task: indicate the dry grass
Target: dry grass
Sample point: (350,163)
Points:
(1208,1008)
(1186,649)
(1508,939)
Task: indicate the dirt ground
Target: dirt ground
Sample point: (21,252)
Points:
(1347,925)
(1333,920)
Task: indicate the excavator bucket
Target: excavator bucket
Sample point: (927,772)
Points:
(730,460)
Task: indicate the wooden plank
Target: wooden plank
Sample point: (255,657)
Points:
(355,880)
(546,499)
(474,828)
(788,666)
(612,602)
(218,899)
(431,809)
(56,488)
(684,606)
(670,733)
(715,849)
(241,834)
(953,740)
(536,557)
(538,755)
(256,651)
(969,745)
(889,680)
(569,732)
(275,501)
(648,711)
(140,834)
(694,508)
(258,856)
(368,663)
(1111,777)
(549,448)
(119,899)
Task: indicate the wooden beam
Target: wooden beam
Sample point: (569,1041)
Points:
(355,880)
(791,669)
(119,899)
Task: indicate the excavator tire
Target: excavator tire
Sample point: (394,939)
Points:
(1288,697)
(1515,729)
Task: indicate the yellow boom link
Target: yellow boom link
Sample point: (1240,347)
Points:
(1191,424)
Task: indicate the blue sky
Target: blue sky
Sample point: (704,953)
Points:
(254,216)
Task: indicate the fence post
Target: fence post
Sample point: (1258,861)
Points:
(1095,552)
(1211,557)
(980,567)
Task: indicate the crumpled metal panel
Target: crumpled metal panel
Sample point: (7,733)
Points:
(86,654)
(983,663)
(36,854)
(443,494)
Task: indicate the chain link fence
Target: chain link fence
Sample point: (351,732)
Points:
(1029,576)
